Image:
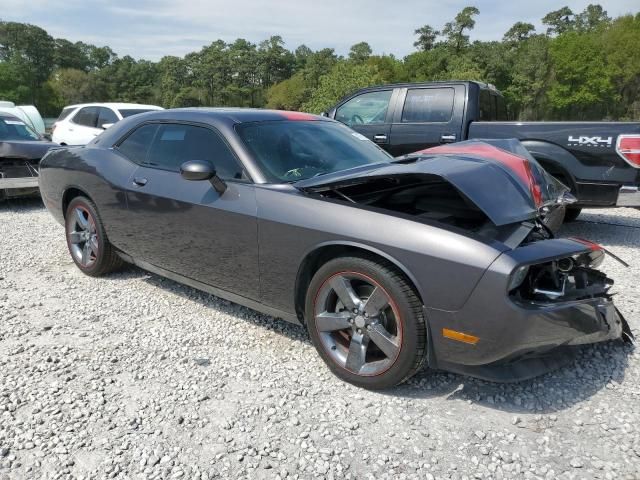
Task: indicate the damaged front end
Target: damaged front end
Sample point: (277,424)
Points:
(532,307)
(18,177)
(568,279)
(539,298)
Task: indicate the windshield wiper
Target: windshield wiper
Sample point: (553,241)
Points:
(338,192)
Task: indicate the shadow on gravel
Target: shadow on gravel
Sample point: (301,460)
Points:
(611,230)
(21,205)
(595,367)
(277,325)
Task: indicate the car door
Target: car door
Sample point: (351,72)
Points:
(82,127)
(428,116)
(370,114)
(188,227)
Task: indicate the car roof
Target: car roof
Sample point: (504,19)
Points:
(8,116)
(431,82)
(230,115)
(115,105)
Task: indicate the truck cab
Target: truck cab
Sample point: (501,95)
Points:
(599,161)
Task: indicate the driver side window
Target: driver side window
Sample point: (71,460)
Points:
(366,109)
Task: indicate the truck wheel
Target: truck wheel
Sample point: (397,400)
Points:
(572,214)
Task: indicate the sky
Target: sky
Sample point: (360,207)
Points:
(150,29)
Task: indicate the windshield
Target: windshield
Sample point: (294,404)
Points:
(15,129)
(289,151)
(133,111)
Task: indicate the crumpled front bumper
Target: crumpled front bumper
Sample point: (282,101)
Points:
(18,177)
(513,341)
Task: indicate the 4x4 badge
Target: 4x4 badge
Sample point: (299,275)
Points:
(585,141)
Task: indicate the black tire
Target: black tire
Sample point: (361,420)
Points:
(572,213)
(409,326)
(102,260)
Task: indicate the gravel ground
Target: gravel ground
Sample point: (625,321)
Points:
(135,376)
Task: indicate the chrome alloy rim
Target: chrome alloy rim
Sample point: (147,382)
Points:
(82,236)
(358,323)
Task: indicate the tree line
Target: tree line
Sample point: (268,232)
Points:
(584,66)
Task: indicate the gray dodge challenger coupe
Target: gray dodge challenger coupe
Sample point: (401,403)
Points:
(438,258)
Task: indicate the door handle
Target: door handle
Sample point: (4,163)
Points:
(447,138)
(380,138)
(141,182)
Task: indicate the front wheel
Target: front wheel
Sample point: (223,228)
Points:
(366,322)
(86,239)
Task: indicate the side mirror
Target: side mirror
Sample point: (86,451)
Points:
(195,170)
(324,114)
(106,125)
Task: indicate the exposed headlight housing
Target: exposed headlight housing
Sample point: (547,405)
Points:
(518,276)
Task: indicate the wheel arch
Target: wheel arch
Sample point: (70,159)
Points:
(69,194)
(554,159)
(327,251)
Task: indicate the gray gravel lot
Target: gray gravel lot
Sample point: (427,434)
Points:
(134,376)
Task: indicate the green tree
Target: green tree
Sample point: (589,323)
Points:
(344,78)
(530,75)
(275,62)
(30,51)
(426,38)
(301,54)
(360,52)
(619,43)
(518,32)
(559,21)
(70,86)
(582,84)
(592,17)
(454,31)
(289,94)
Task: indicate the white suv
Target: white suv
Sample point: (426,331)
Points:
(79,124)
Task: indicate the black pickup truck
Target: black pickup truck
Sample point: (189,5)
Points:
(599,161)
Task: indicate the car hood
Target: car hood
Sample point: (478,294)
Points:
(499,177)
(28,149)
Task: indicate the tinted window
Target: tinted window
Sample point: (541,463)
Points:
(136,146)
(501,108)
(106,115)
(366,109)
(65,113)
(16,129)
(175,144)
(132,111)
(87,116)
(288,151)
(492,106)
(428,105)
(485,106)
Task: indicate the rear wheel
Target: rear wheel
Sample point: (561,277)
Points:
(366,322)
(87,242)
(572,213)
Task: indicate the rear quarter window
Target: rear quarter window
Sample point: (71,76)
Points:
(428,105)
(65,113)
(86,116)
(136,145)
